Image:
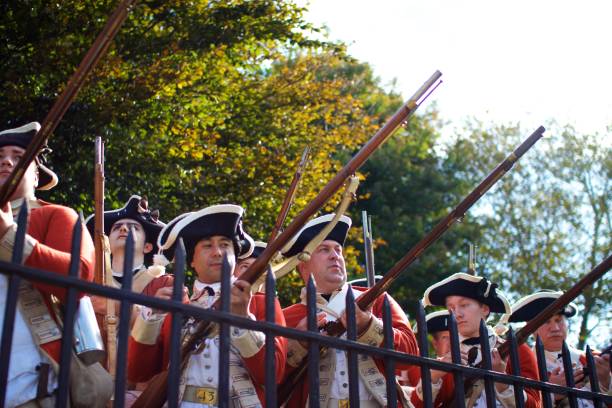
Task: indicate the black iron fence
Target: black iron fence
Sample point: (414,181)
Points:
(317,342)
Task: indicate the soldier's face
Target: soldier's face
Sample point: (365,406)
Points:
(208,258)
(468,313)
(326,264)
(243,265)
(553,333)
(441,342)
(9,157)
(119,232)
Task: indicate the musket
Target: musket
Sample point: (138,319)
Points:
(99,271)
(559,304)
(155,393)
(61,105)
(364,301)
(368,248)
(102,271)
(290,195)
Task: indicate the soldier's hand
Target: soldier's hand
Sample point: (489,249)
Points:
(6,218)
(363,319)
(240,298)
(602,365)
(303,325)
(437,374)
(498,364)
(165,292)
(557,376)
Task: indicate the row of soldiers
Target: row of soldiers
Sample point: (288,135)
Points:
(209,234)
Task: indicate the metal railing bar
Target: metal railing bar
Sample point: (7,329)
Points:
(519,398)
(456,358)
(486,359)
(224,336)
(424,351)
(69,317)
(592,373)
(389,362)
(351,334)
(270,344)
(12,295)
(176,325)
(313,346)
(543,372)
(124,322)
(569,374)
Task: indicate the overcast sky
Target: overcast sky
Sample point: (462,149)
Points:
(502,61)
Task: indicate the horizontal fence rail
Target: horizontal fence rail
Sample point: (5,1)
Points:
(318,342)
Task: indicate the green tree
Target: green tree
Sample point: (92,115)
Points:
(548,223)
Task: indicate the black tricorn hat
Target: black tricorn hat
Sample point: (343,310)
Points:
(312,228)
(22,137)
(528,307)
(223,219)
(137,209)
(470,286)
(258,248)
(437,321)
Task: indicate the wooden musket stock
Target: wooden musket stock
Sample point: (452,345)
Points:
(61,105)
(155,393)
(99,272)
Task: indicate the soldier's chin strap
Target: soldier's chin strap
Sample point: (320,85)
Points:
(289,264)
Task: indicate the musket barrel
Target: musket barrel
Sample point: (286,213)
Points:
(563,300)
(257,268)
(365,300)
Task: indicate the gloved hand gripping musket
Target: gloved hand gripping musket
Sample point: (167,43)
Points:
(61,105)
(155,393)
(336,328)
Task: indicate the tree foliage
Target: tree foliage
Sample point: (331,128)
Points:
(548,223)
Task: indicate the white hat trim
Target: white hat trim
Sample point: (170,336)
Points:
(213,209)
(467,277)
(439,313)
(23,129)
(316,221)
(170,224)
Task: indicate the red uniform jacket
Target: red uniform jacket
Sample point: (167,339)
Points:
(403,339)
(529,369)
(145,361)
(51,225)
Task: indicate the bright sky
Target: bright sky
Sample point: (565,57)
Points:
(524,61)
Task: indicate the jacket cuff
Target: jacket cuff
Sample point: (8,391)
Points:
(374,334)
(147,331)
(248,342)
(435,389)
(7,244)
(507,397)
(295,352)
